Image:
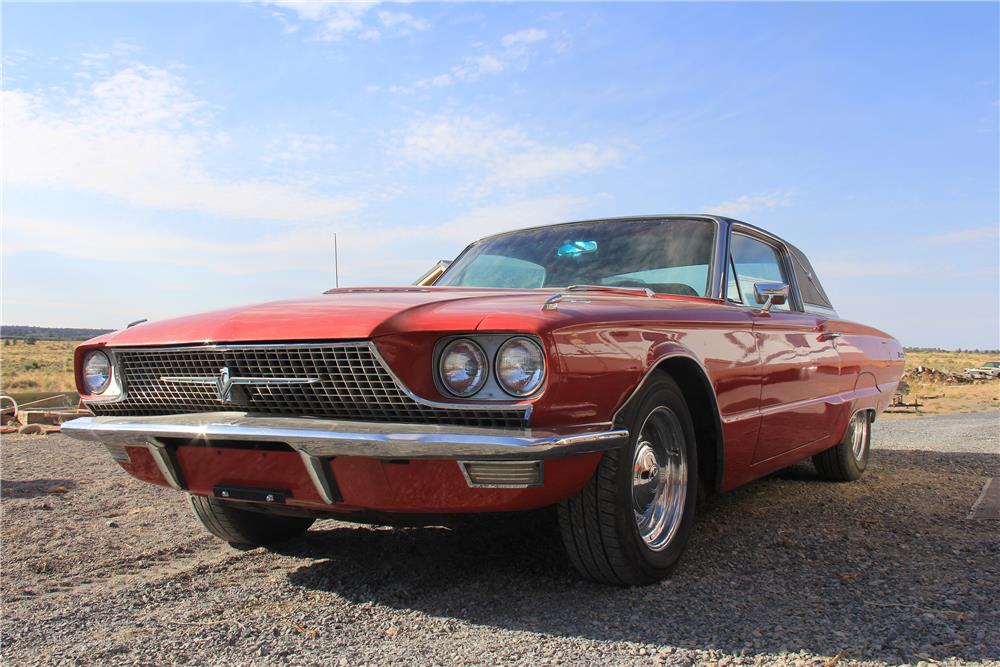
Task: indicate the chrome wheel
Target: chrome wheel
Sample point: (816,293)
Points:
(659,478)
(859,435)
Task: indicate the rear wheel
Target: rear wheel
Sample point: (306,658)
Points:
(847,461)
(242,527)
(630,523)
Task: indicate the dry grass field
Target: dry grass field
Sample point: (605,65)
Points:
(937,398)
(43,366)
(953,362)
(48,366)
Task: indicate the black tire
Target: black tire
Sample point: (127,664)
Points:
(599,525)
(246,528)
(846,461)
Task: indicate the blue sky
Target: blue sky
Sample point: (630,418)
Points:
(160,159)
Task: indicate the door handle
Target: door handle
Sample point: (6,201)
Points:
(830,335)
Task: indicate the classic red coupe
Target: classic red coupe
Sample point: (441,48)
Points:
(609,368)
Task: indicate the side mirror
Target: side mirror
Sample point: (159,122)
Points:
(770,294)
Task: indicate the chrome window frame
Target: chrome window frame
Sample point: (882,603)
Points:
(797,304)
(780,249)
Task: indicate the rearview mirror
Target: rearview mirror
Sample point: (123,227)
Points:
(770,294)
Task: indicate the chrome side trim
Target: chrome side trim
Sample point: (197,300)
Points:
(830,399)
(323,438)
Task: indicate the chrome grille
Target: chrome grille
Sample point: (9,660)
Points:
(352,383)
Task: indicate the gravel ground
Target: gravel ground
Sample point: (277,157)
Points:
(788,570)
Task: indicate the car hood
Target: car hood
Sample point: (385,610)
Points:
(361,313)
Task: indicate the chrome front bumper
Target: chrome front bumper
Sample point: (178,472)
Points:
(319,439)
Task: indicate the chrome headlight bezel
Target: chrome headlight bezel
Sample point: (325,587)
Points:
(539,374)
(97,389)
(483,367)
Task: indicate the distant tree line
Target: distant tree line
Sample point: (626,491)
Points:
(941,349)
(31,334)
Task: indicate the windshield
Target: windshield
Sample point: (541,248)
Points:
(666,256)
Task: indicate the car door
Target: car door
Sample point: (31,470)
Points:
(800,366)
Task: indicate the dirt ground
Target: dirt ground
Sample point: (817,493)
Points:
(99,568)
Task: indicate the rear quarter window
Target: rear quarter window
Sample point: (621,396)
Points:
(809,287)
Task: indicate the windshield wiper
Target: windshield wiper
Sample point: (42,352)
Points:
(615,289)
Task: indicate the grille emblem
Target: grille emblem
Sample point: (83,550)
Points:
(224,382)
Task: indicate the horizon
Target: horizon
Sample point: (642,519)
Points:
(151,176)
(106,330)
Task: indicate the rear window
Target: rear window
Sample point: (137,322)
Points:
(809,288)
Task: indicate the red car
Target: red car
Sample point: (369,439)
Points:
(609,368)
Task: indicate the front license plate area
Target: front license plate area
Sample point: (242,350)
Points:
(273,496)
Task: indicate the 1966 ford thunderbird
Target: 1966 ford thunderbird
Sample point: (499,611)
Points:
(611,368)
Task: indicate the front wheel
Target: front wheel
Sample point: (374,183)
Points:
(246,528)
(630,523)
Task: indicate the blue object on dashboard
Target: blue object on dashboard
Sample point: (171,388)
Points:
(577,248)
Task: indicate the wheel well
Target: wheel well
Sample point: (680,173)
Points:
(700,398)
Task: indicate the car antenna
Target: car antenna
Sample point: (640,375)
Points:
(336,263)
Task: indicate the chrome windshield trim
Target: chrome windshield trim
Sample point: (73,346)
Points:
(323,438)
(714,287)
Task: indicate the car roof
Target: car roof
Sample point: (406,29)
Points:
(637,218)
(720,219)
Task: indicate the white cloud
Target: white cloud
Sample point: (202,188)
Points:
(403,23)
(368,253)
(139,136)
(750,203)
(966,235)
(508,155)
(526,36)
(304,248)
(515,53)
(518,214)
(336,20)
(300,148)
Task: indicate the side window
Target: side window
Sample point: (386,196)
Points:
(809,288)
(755,261)
(732,288)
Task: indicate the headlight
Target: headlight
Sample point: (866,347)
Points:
(520,366)
(96,372)
(463,367)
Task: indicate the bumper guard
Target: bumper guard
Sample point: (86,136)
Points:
(318,439)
